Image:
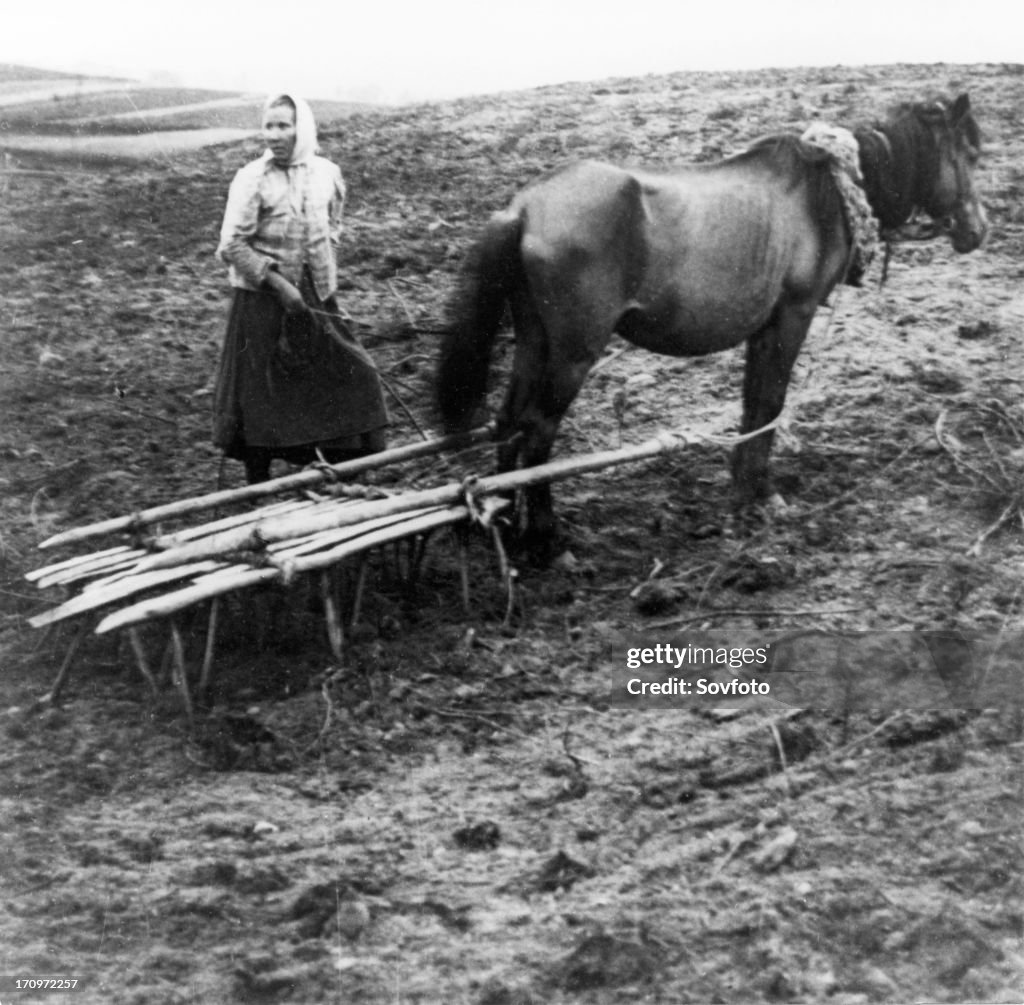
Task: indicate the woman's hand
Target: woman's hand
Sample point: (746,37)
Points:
(292,301)
(290,297)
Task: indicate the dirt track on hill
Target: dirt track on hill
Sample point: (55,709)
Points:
(456,814)
(146,146)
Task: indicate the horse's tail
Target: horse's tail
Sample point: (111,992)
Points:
(493,269)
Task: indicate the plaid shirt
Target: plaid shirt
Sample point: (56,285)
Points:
(283,218)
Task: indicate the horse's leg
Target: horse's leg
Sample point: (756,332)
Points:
(540,426)
(555,389)
(563,319)
(527,363)
(539,394)
(771,354)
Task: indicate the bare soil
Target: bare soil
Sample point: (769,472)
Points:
(456,814)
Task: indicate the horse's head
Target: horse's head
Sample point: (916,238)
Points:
(951,199)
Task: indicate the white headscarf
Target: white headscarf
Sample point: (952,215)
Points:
(305,127)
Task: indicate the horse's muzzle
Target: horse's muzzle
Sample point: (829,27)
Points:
(969,228)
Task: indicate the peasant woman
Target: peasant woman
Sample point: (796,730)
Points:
(292,376)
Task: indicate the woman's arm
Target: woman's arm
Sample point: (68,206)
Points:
(336,208)
(241,219)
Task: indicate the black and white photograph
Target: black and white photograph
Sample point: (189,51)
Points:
(511,504)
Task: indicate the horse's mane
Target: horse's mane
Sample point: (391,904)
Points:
(786,150)
(933,111)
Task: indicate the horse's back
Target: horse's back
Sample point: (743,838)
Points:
(707,250)
(584,205)
(700,221)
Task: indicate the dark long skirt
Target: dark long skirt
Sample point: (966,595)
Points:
(287,385)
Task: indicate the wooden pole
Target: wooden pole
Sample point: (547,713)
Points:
(307,477)
(112,561)
(70,563)
(282,528)
(104,592)
(224,581)
(161,541)
(119,590)
(108,566)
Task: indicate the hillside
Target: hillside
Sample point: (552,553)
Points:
(462,777)
(40,102)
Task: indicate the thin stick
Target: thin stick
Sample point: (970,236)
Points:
(53,696)
(405,307)
(357,601)
(403,406)
(419,552)
(309,476)
(857,741)
(1004,518)
(165,673)
(325,691)
(782,758)
(462,535)
(211,641)
(144,414)
(507,574)
(335,636)
(142,661)
(179,671)
(742,611)
(611,357)
(451,713)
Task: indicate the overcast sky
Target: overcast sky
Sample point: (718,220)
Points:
(422,49)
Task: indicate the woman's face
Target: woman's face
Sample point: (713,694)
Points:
(279,132)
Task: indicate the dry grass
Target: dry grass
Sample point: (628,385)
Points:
(985,442)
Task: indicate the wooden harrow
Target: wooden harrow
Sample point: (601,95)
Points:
(153,576)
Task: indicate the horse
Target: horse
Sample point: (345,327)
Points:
(684,263)
(923,157)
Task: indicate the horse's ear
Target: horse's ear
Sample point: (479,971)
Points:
(961,107)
